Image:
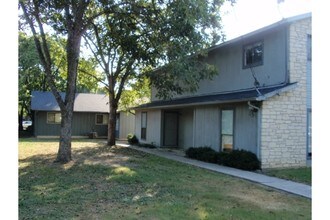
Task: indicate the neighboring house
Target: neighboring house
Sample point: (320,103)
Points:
(260,101)
(91,114)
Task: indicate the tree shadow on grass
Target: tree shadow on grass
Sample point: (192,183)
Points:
(97,180)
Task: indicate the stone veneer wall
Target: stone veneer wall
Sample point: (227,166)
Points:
(284,117)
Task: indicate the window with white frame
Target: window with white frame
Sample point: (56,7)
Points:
(227,129)
(253,55)
(53,118)
(101,119)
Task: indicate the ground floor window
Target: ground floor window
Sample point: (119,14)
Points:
(101,119)
(53,118)
(309,133)
(144,125)
(227,129)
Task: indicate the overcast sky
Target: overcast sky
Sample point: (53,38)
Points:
(249,15)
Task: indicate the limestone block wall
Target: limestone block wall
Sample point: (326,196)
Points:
(284,117)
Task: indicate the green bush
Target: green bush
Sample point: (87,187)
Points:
(240,159)
(206,154)
(147,145)
(132,139)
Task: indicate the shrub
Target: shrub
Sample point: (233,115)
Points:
(191,152)
(222,158)
(240,159)
(206,154)
(132,139)
(147,145)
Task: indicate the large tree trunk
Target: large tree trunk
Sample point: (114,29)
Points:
(112,121)
(75,25)
(73,49)
(64,150)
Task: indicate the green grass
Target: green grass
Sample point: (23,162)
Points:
(302,174)
(121,183)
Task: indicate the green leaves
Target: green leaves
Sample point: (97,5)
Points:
(181,76)
(32,75)
(133,36)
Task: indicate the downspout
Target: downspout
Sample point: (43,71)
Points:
(253,107)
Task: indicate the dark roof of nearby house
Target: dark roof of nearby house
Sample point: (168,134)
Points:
(229,97)
(84,102)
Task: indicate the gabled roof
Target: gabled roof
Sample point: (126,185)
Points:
(229,97)
(84,102)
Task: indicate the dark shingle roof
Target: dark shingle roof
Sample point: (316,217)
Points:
(84,102)
(238,96)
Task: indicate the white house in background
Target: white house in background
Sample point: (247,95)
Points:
(260,101)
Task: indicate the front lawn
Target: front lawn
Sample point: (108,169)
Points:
(302,174)
(121,183)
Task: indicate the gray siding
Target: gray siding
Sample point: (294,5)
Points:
(126,124)
(82,124)
(245,134)
(200,126)
(207,127)
(153,127)
(232,76)
(41,128)
(186,128)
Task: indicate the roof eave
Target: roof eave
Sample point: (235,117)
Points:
(277,92)
(262,97)
(195,104)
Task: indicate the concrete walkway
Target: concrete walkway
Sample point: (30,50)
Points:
(276,183)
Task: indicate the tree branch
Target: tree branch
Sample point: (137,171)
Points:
(88,41)
(89,74)
(123,79)
(99,46)
(46,62)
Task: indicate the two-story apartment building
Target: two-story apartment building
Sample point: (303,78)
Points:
(260,101)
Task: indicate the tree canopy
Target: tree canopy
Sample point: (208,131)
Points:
(129,39)
(140,36)
(31,74)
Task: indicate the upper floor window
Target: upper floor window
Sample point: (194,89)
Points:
(253,55)
(53,118)
(101,119)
